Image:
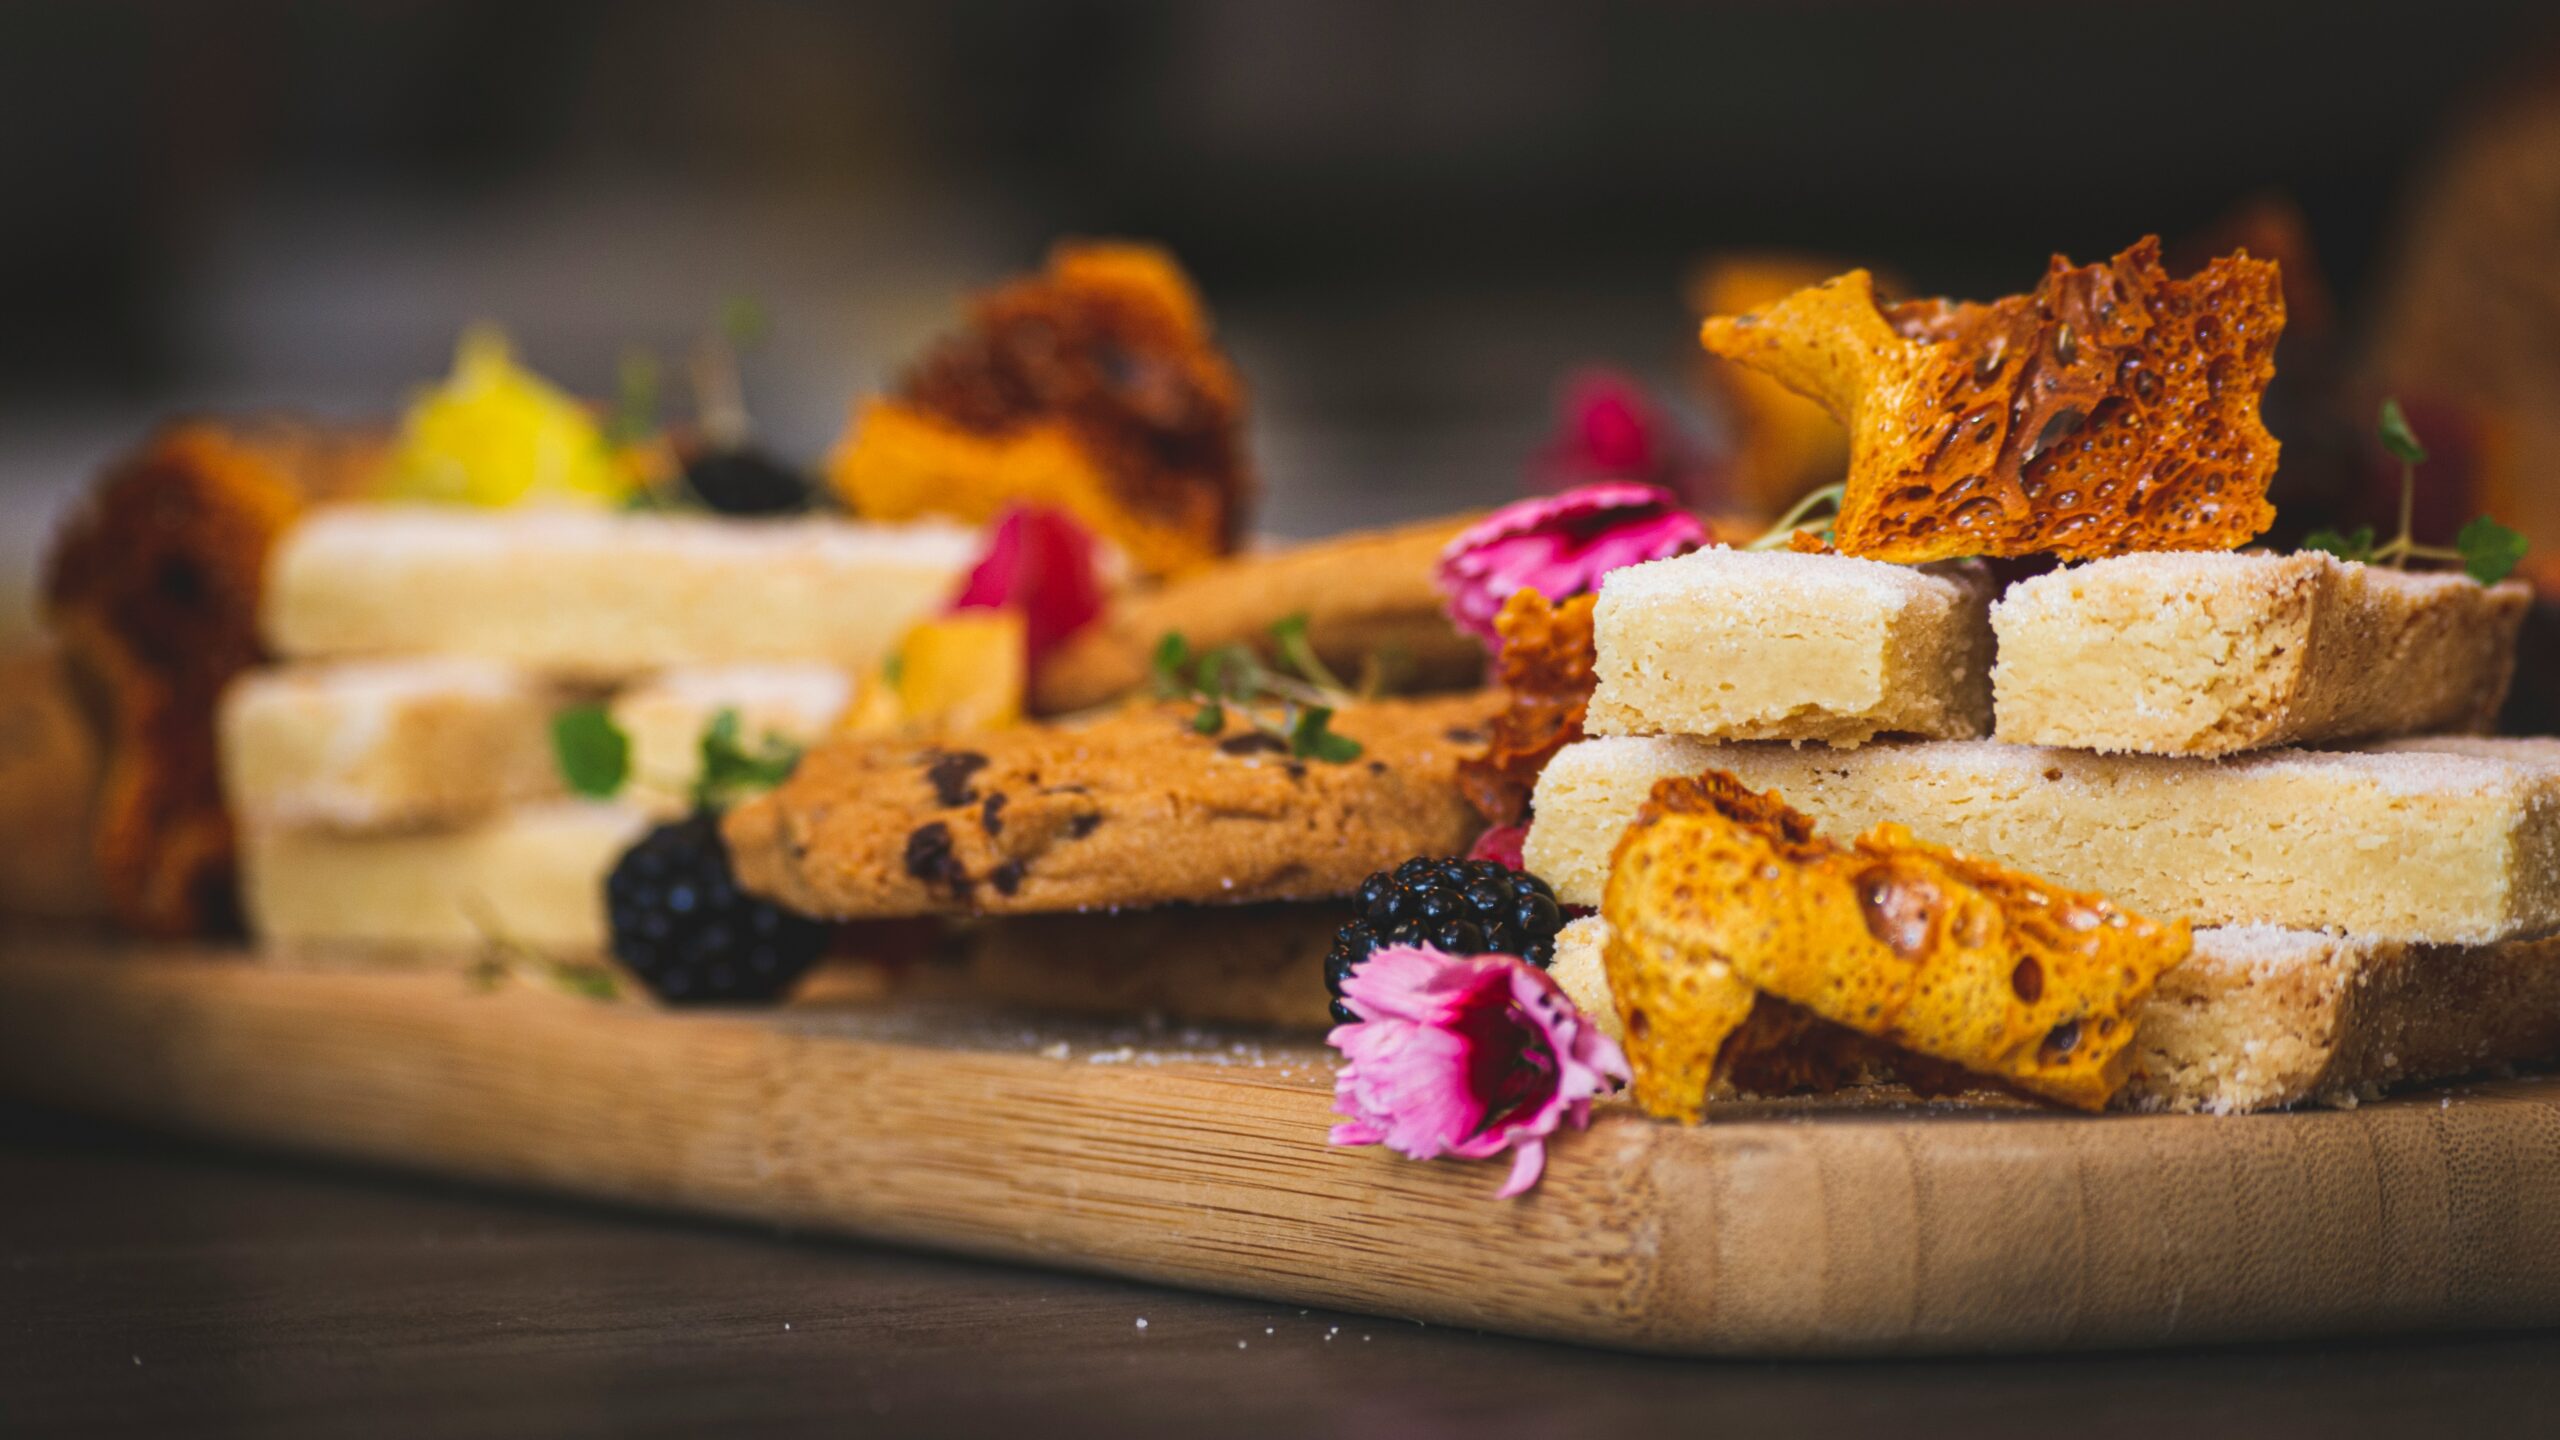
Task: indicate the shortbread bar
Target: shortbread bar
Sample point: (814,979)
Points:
(533,876)
(2257,1018)
(2214,654)
(386,745)
(1750,645)
(599,596)
(2441,848)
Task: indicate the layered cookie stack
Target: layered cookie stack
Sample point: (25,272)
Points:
(1070,856)
(394,779)
(2366,916)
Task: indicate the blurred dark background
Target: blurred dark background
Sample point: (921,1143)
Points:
(1411,219)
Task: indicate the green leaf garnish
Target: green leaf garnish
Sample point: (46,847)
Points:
(593,754)
(1289,639)
(1232,681)
(2397,437)
(2490,551)
(730,771)
(1171,664)
(1234,671)
(2358,546)
(1311,738)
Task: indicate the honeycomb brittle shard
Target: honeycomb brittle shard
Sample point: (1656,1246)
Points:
(1094,385)
(1547,672)
(2113,409)
(1720,898)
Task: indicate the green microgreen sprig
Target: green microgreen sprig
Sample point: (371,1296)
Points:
(594,756)
(1295,709)
(1823,503)
(731,772)
(2486,550)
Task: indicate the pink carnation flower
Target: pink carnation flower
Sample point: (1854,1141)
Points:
(1609,428)
(1043,563)
(1560,546)
(1465,1055)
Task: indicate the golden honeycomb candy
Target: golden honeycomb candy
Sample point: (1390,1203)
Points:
(1718,896)
(2113,409)
(1095,386)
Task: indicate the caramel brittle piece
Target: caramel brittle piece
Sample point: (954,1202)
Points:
(1546,671)
(1720,897)
(153,589)
(1094,385)
(2114,409)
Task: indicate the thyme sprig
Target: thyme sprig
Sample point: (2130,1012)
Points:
(1294,709)
(2485,549)
(1826,499)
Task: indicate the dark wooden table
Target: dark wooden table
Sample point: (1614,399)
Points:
(152,1288)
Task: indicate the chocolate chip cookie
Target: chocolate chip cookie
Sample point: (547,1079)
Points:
(1131,809)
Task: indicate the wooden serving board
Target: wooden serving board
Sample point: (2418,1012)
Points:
(1200,1160)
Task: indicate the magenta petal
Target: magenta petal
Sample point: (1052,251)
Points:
(1043,563)
(1502,844)
(1560,546)
(1610,427)
(1465,1056)
(1526,1167)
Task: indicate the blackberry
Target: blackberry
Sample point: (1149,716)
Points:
(1465,907)
(685,929)
(746,481)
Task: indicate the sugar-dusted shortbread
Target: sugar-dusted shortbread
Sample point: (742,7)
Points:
(1776,645)
(2256,1018)
(601,596)
(533,876)
(386,744)
(2443,848)
(2212,654)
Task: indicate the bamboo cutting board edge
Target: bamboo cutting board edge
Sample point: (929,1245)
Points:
(1792,1232)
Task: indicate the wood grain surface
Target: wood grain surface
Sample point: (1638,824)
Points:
(1200,1160)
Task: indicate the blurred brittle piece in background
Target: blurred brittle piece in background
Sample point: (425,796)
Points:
(1095,386)
(152,590)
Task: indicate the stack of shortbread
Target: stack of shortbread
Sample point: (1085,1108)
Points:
(2366,916)
(394,778)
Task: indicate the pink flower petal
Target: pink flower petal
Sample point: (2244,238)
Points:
(1465,1056)
(1043,563)
(1501,843)
(1560,546)
(1608,427)
(1526,1167)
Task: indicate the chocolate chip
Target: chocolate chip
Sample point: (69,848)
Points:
(991,815)
(1463,735)
(1080,826)
(949,774)
(1377,767)
(930,860)
(1007,877)
(1298,770)
(1253,742)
